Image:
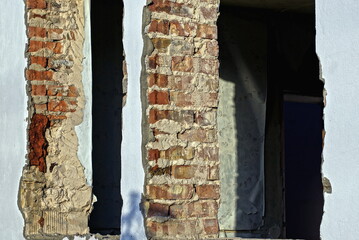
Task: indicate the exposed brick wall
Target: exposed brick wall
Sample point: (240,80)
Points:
(182,183)
(54,196)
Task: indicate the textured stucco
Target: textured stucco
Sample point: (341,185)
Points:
(338,48)
(13,115)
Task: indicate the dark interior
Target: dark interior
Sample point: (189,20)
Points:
(293,135)
(107,58)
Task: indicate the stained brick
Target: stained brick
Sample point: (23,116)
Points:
(159,80)
(183,172)
(158,210)
(170,7)
(35,46)
(207,191)
(182,64)
(207,31)
(169,192)
(42,61)
(177,28)
(196,209)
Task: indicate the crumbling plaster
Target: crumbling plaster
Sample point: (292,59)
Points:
(13,115)
(337,48)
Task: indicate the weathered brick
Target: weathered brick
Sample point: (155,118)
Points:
(161,44)
(210,226)
(185,116)
(37,141)
(213,173)
(207,31)
(160,26)
(181,47)
(42,61)
(55,34)
(158,210)
(196,209)
(203,99)
(208,153)
(159,80)
(206,118)
(36,32)
(153,154)
(208,13)
(40,108)
(183,172)
(59,106)
(35,46)
(158,97)
(185,83)
(169,192)
(183,229)
(38,90)
(182,64)
(177,28)
(207,191)
(208,66)
(170,7)
(198,135)
(175,153)
(40,4)
(39,75)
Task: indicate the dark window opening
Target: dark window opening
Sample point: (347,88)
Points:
(267,52)
(107,58)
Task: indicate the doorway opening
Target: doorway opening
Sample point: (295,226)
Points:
(107,59)
(269,120)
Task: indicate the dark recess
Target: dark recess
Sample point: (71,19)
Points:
(107,58)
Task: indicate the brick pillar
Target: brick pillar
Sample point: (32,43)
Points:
(182,183)
(54,196)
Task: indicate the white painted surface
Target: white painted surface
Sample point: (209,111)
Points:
(13,103)
(338,50)
(132,175)
(84,130)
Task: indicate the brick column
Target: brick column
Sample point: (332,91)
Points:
(54,196)
(182,183)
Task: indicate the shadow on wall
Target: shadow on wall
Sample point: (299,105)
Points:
(131,220)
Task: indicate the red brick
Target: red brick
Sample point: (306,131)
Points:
(207,191)
(35,46)
(158,97)
(153,154)
(161,44)
(170,192)
(185,116)
(210,226)
(182,64)
(158,210)
(153,61)
(72,91)
(36,32)
(159,80)
(182,229)
(42,61)
(59,106)
(183,172)
(40,4)
(207,31)
(38,90)
(160,26)
(39,75)
(55,90)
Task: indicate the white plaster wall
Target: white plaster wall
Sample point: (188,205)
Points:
(132,175)
(338,50)
(13,113)
(84,130)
